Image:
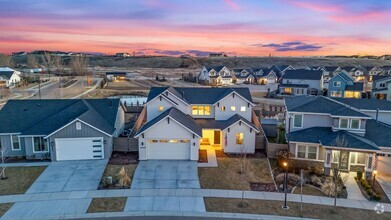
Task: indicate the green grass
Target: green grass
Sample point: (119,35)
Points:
(19,179)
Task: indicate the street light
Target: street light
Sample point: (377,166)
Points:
(373,182)
(285,164)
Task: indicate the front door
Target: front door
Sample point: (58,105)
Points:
(344,160)
(217,139)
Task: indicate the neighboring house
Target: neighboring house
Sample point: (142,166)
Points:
(326,132)
(373,70)
(386,70)
(264,75)
(179,120)
(244,76)
(281,69)
(125,54)
(217,55)
(381,88)
(343,85)
(302,82)
(216,75)
(360,74)
(114,76)
(9,77)
(61,129)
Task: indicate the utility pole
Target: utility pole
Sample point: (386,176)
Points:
(39,86)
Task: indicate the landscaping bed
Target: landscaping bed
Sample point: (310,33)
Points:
(116,204)
(265,207)
(202,156)
(123,158)
(366,187)
(19,179)
(309,190)
(228,173)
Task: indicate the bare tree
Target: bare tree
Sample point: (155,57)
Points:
(58,64)
(78,65)
(32,62)
(3,160)
(6,60)
(48,62)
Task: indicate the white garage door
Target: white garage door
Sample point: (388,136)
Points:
(168,150)
(79,148)
(384,164)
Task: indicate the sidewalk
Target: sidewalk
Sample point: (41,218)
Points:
(348,203)
(354,193)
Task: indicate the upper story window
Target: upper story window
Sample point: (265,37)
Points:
(200,110)
(222,108)
(337,83)
(343,123)
(298,121)
(161,108)
(239,138)
(78,125)
(15,142)
(233,108)
(355,124)
(382,85)
(243,108)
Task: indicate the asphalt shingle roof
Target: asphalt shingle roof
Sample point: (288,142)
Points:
(223,124)
(326,137)
(303,74)
(366,104)
(378,133)
(320,104)
(200,95)
(216,68)
(294,85)
(357,86)
(42,117)
(177,115)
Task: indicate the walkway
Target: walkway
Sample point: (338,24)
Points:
(211,152)
(354,193)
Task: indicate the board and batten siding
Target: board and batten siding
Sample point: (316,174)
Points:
(6,143)
(153,107)
(229,101)
(231,146)
(309,121)
(86,131)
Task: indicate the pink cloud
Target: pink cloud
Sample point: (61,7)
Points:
(233,5)
(316,6)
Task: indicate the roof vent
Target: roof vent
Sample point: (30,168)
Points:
(111,103)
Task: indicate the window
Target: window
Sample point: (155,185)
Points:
(200,110)
(161,108)
(233,108)
(78,125)
(336,94)
(239,138)
(343,123)
(15,142)
(152,141)
(298,121)
(222,108)
(312,151)
(335,156)
(352,94)
(301,151)
(243,108)
(357,158)
(288,90)
(355,124)
(337,84)
(40,145)
(382,85)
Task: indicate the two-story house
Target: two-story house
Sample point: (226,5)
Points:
(325,132)
(216,75)
(179,120)
(281,69)
(343,85)
(381,88)
(9,77)
(244,76)
(301,82)
(264,75)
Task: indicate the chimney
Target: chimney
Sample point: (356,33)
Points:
(377,114)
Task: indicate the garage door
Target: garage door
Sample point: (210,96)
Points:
(384,164)
(79,148)
(168,149)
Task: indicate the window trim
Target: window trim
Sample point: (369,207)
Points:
(302,120)
(337,85)
(242,108)
(78,125)
(12,143)
(351,122)
(233,108)
(306,152)
(339,123)
(236,138)
(198,110)
(37,152)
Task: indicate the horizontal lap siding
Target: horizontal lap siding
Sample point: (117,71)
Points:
(6,143)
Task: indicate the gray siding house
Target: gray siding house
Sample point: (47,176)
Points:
(301,82)
(60,129)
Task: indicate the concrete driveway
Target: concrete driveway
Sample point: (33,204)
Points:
(385,183)
(166,174)
(69,176)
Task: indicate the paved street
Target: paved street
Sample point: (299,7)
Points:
(69,176)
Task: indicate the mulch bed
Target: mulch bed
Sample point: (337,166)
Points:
(203,156)
(24,160)
(123,158)
(264,187)
(257,154)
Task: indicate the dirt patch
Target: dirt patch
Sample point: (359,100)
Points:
(107,205)
(264,187)
(19,179)
(123,158)
(309,190)
(5,207)
(202,156)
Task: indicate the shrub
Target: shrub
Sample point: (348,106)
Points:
(316,180)
(376,197)
(293,179)
(328,189)
(359,175)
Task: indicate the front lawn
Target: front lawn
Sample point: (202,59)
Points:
(274,208)
(227,175)
(19,179)
(4,208)
(309,190)
(107,205)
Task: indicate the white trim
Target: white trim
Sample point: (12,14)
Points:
(172,102)
(307,151)
(40,152)
(302,120)
(102,145)
(237,95)
(5,134)
(256,129)
(12,143)
(77,119)
(171,119)
(351,149)
(180,98)
(333,116)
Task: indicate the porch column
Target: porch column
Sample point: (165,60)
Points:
(327,162)
(369,161)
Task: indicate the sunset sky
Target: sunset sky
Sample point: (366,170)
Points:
(174,27)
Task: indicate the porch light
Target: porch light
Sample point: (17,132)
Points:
(285,164)
(374,172)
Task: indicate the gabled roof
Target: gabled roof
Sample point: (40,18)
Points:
(294,85)
(326,137)
(331,68)
(344,76)
(366,104)
(378,132)
(200,95)
(216,68)
(348,68)
(303,74)
(321,105)
(42,117)
(223,124)
(183,119)
(357,86)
